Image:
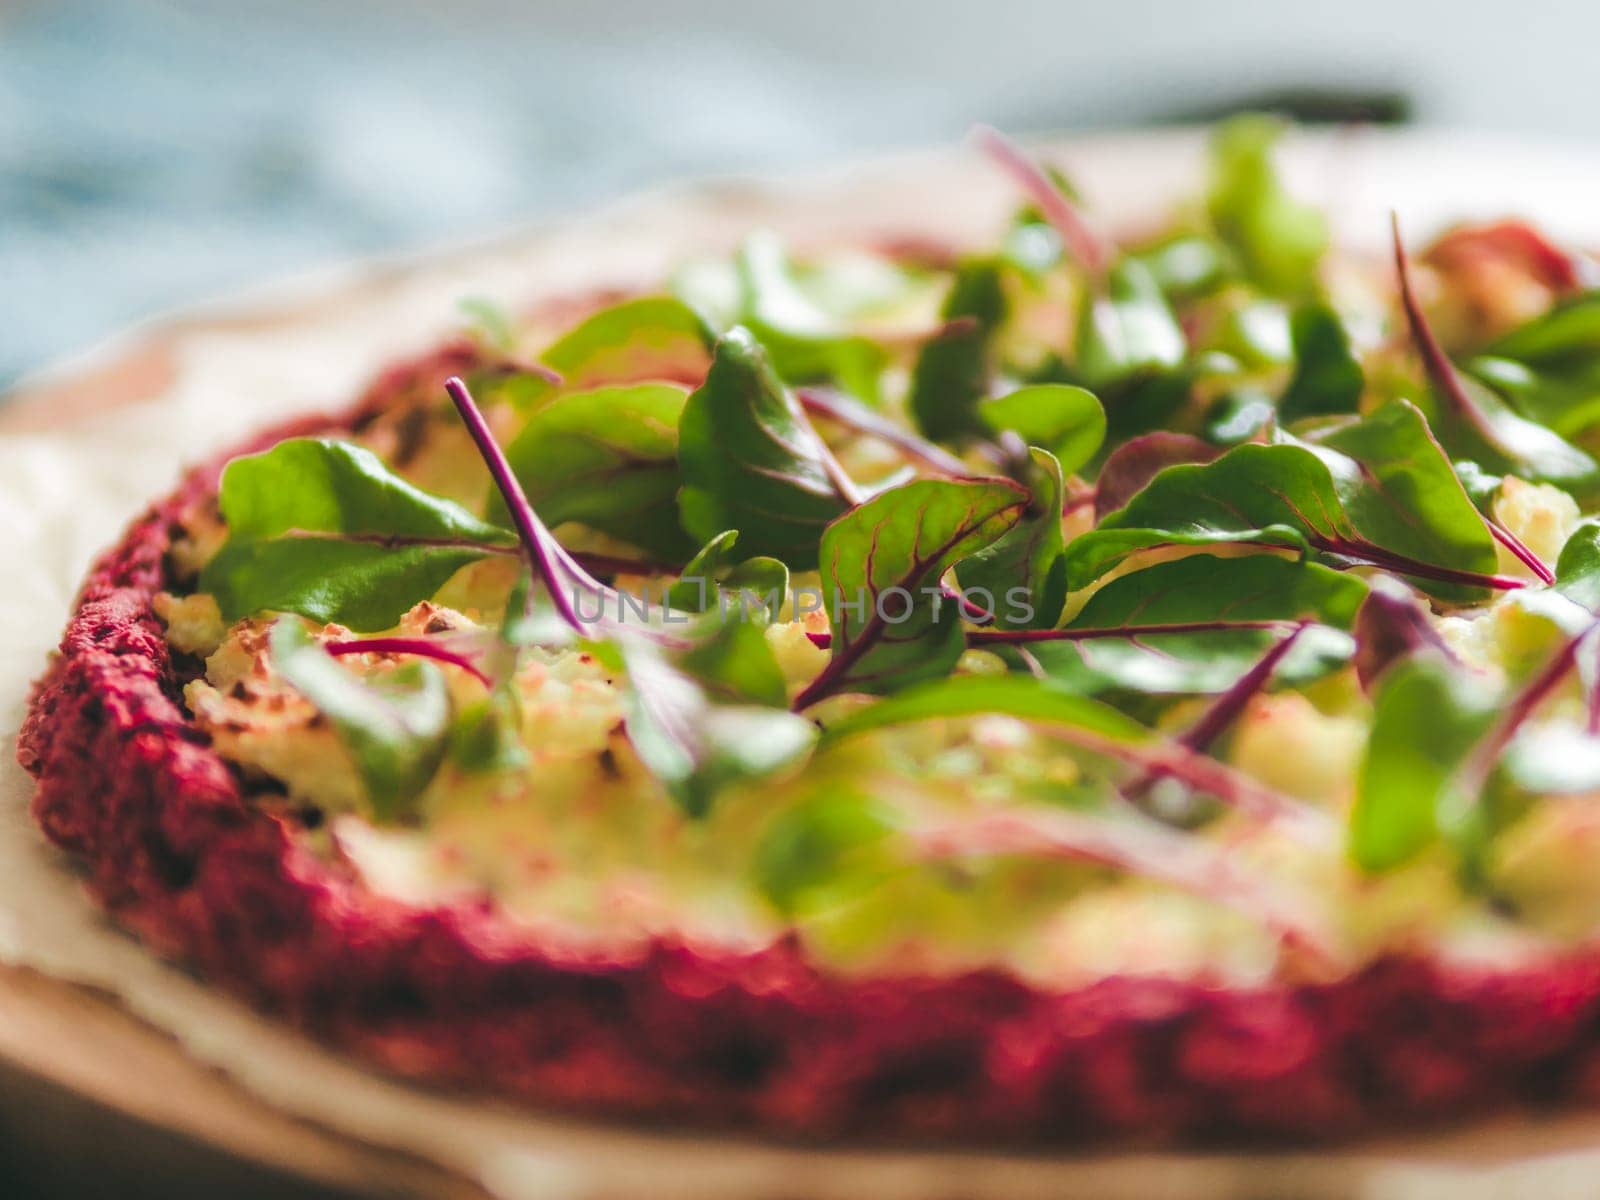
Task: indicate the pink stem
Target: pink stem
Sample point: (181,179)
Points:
(553,565)
(861,419)
(1081,240)
(1017,637)
(1475,772)
(1520,549)
(1447,381)
(1227,707)
(417,647)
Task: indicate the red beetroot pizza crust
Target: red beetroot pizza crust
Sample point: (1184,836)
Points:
(458,995)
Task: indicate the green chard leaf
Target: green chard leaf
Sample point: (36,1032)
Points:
(1427,719)
(751,461)
(396,729)
(881,568)
(695,746)
(1278,242)
(324,529)
(956,367)
(1067,421)
(1237,608)
(1031,557)
(1328,380)
(807,343)
(1377,491)
(607,458)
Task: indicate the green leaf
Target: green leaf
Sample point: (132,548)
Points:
(735,663)
(1031,558)
(1128,330)
(322,528)
(955,369)
(821,852)
(713,570)
(1568,330)
(1186,266)
(1201,589)
(607,458)
(1494,434)
(486,736)
(807,343)
(366,586)
(1067,421)
(1020,696)
(1578,568)
(1564,399)
(396,729)
(1378,491)
(1426,720)
(651,337)
(696,747)
(1277,241)
(881,567)
(751,461)
(1327,380)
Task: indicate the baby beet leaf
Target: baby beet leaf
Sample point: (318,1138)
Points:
(807,343)
(881,567)
(1392,624)
(1376,492)
(1239,607)
(736,665)
(696,747)
(1328,379)
(1128,331)
(313,485)
(324,529)
(955,369)
(396,729)
(712,572)
(752,462)
(1550,367)
(650,338)
(1132,465)
(1476,423)
(1031,557)
(1427,718)
(607,458)
(1578,568)
(1277,241)
(1067,421)
(1091,250)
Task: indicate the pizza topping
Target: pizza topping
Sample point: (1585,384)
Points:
(938,610)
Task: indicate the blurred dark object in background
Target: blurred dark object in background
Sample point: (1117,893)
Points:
(156,152)
(1310,106)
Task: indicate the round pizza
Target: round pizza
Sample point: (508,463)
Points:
(1058,690)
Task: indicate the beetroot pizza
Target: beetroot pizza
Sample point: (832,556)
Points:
(1058,690)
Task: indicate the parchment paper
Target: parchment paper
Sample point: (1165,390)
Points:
(65,493)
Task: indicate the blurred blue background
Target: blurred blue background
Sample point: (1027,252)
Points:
(156,152)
